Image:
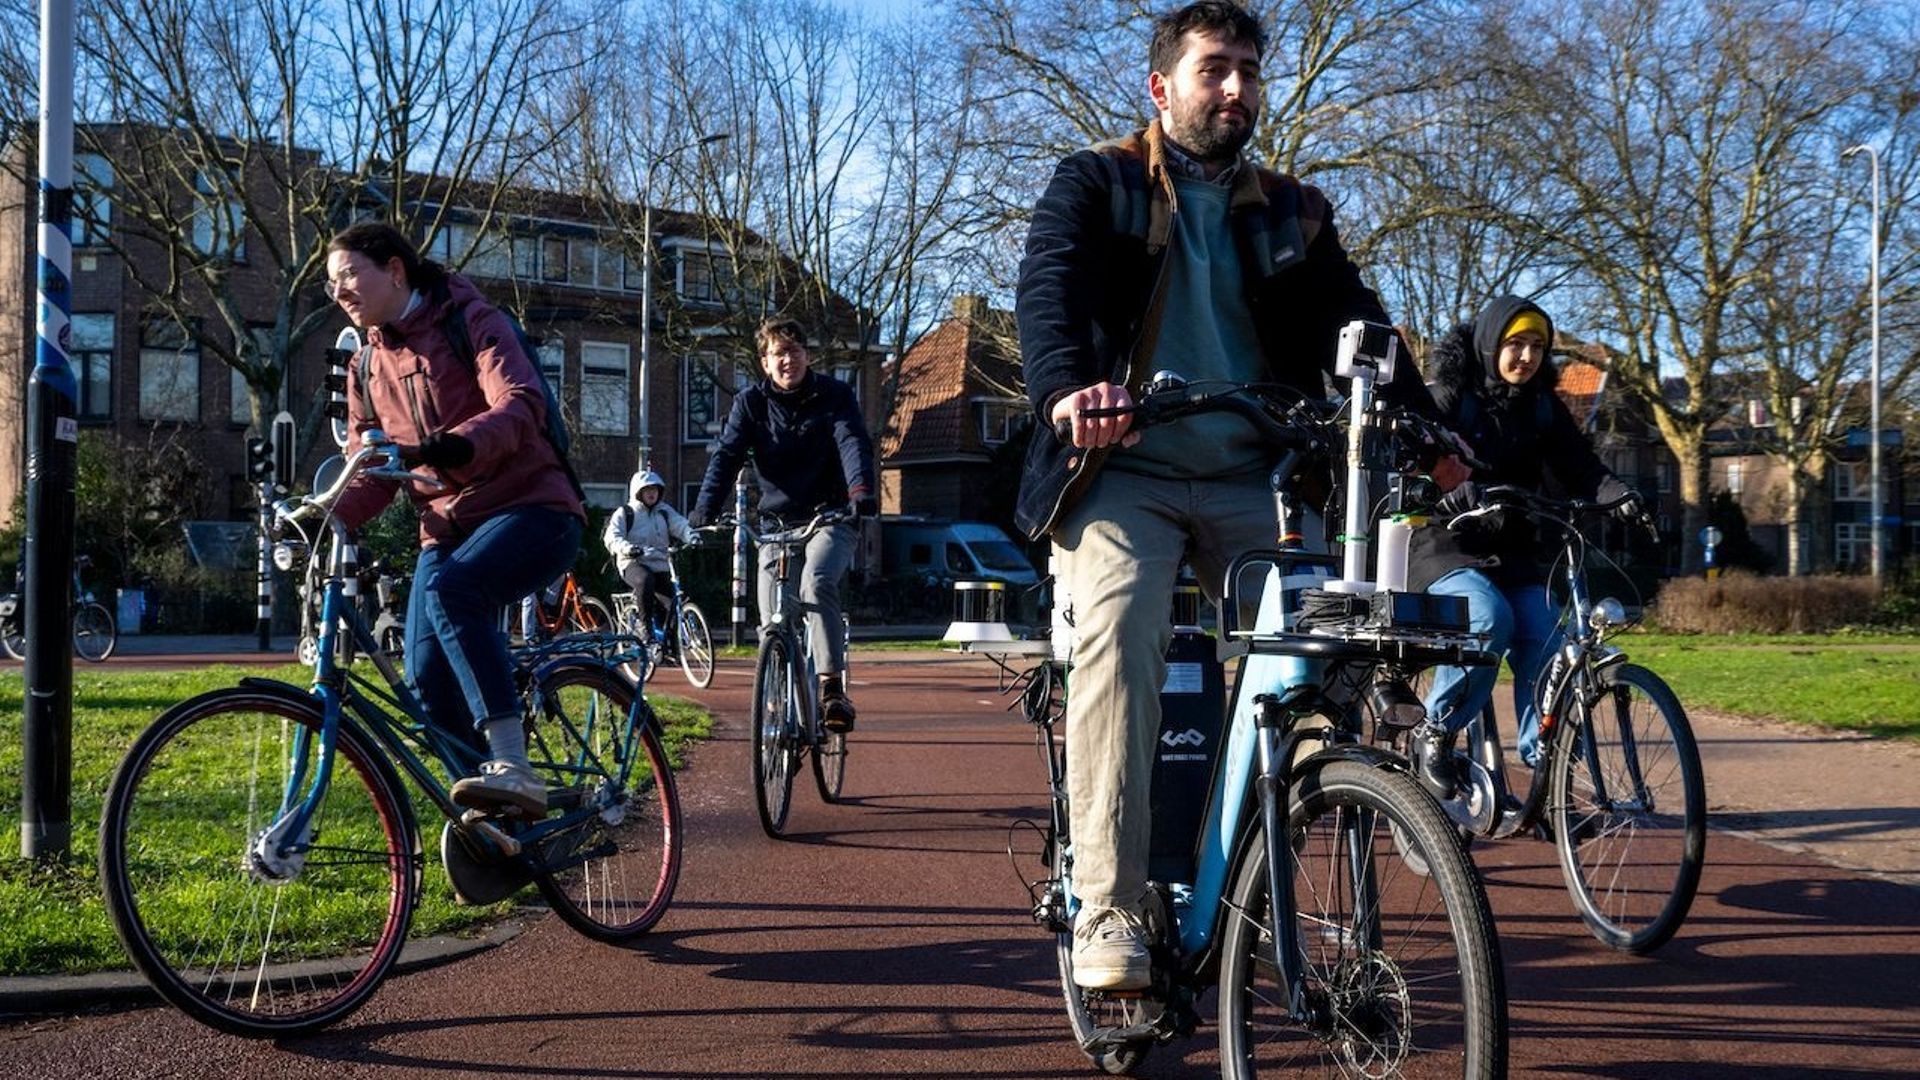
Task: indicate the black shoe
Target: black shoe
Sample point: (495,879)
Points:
(1432,752)
(836,709)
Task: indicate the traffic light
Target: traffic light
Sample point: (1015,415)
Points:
(259,459)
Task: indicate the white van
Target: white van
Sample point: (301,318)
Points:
(953,551)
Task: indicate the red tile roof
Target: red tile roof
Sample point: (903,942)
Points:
(939,377)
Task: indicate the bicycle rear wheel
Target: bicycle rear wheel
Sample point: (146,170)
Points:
(696,647)
(234,933)
(830,764)
(1628,809)
(94,634)
(598,746)
(628,619)
(591,617)
(781,701)
(1402,971)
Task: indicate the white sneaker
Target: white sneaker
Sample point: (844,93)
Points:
(1110,950)
(502,785)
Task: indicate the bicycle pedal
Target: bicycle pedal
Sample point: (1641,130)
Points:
(481,823)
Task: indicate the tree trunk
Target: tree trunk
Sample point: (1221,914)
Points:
(1695,493)
(1797,554)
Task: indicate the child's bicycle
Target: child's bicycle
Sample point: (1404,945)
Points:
(691,642)
(787,721)
(1331,954)
(1620,788)
(259,851)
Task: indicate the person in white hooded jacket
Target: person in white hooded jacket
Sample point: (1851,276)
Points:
(637,535)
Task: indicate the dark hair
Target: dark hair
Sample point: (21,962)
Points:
(781,328)
(383,243)
(1206,17)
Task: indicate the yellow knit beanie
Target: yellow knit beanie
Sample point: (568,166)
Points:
(1529,320)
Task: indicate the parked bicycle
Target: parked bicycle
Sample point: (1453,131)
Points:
(94,633)
(787,720)
(260,854)
(685,639)
(1620,788)
(1330,953)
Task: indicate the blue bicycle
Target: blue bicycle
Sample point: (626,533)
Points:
(1298,899)
(259,851)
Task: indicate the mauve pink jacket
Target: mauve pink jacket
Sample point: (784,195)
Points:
(418,386)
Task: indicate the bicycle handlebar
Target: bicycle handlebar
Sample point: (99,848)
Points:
(378,457)
(796,534)
(1560,511)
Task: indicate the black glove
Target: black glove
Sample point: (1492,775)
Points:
(444,450)
(692,540)
(865,506)
(699,519)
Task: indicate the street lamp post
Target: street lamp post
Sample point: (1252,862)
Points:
(1878,511)
(645,402)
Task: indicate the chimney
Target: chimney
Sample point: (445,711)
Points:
(969,307)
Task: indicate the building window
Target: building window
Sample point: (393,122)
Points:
(1667,475)
(551,355)
(524,252)
(632,270)
(169,372)
(92,209)
(583,262)
(1852,545)
(700,409)
(1736,477)
(613,270)
(690,494)
(553,258)
(219,218)
(706,278)
(605,407)
(1852,482)
(998,419)
(605,496)
(848,373)
(90,345)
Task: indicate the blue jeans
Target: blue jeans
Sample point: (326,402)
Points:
(1524,627)
(456,655)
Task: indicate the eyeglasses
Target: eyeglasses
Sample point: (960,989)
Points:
(334,285)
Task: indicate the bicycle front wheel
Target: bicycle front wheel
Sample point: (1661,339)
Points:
(243,933)
(830,764)
(614,867)
(94,634)
(781,702)
(1628,809)
(696,647)
(1401,971)
(13,634)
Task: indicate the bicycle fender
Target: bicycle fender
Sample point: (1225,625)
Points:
(549,666)
(1363,753)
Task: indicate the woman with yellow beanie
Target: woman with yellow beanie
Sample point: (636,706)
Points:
(1493,381)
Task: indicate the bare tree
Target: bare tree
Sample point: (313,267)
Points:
(240,137)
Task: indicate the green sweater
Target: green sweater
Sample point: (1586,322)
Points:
(1206,334)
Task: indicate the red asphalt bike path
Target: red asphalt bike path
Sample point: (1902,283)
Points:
(889,937)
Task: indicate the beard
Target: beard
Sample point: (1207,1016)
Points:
(1211,135)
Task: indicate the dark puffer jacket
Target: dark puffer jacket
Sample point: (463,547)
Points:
(1527,438)
(809,445)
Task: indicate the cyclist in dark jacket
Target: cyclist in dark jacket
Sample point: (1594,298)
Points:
(1494,383)
(810,447)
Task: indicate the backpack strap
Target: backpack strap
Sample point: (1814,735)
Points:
(365,360)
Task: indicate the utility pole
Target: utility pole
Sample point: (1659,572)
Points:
(53,436)
(1878,483)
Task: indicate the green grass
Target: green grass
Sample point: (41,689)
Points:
(1856,682)
(53,919)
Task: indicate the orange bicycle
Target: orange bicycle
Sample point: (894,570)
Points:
(574,612)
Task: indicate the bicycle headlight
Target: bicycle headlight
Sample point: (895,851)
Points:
(1608,613)
(287,554)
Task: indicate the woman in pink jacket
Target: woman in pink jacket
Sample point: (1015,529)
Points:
(509,518)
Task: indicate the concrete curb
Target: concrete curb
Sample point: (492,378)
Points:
(32,995)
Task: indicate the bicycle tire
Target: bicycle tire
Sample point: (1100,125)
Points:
(590,616)
(1630,865)
(1088,1013)
(696,647)
(632,622)
(830,765)
(781,697)
(94,635)
(13,635)
(625,852)
(1397,964)
(210,930)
